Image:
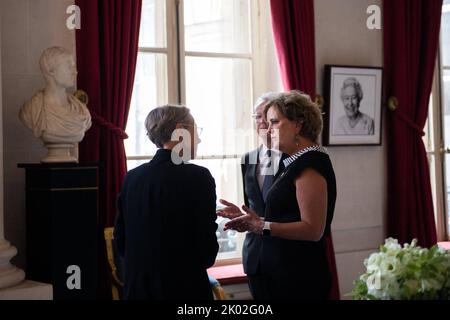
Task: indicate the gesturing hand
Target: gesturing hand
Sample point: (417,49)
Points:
(230,211)
(248,222)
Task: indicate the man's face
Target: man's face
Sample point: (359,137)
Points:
(351,101)
(261,125)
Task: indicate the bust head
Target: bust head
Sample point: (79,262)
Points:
(58,67)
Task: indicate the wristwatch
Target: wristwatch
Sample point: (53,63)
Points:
(266,228)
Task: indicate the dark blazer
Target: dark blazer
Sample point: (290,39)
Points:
(254,200)
(166,230)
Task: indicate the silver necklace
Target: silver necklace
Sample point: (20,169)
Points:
(297,155)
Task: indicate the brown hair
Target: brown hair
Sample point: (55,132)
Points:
(298,107)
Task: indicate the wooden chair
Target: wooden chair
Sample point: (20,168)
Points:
(117,285)
(219,292)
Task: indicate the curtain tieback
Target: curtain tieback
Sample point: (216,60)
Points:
(108,125)
(393,106)
(409,122)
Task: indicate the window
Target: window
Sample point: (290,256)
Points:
(445,100)
(437,137)
(214,56)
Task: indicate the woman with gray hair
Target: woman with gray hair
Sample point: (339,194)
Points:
(167,214)
(354,122)
(299,205)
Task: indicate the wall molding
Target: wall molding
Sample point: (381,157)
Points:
(357,239)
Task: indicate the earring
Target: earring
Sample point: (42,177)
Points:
(297,140)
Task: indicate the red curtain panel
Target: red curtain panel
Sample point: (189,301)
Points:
(411,39)
(293,30)
(107,46)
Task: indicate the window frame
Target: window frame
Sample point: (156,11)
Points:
(436,149)
(176,77)
(436,155)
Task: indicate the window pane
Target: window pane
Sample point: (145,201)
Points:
(217,26)
(428,138)
(446,128)
(150,91)
(218,91)
(153,24)
(131,164)
(227,174)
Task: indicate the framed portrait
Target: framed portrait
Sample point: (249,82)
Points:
(352,105)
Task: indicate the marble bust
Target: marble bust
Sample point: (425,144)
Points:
(54,115)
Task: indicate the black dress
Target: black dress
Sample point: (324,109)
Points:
(297,269)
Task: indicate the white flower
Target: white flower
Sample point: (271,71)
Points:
(374,281)
(373,263)
(391,288)
(408,272)
(383,287)
(392,245)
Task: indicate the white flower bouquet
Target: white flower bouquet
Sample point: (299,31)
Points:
(408,273)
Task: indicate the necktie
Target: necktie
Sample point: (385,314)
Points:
(268,173)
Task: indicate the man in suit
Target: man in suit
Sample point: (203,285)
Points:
(259,169)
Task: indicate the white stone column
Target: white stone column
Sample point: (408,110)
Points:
(9,274)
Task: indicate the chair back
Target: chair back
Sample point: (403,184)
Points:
(116,283)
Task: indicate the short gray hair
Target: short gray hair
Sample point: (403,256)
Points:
(265,98)
(162,121)
(352,82)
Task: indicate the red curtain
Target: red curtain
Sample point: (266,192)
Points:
(411,39)
(293,29)
(107,46)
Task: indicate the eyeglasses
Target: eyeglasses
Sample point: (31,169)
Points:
(258,117)
(199,129)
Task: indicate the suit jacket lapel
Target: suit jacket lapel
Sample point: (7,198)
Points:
(254,177)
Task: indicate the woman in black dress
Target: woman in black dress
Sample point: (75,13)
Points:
(299,205)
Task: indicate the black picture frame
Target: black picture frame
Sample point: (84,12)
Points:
(352,108)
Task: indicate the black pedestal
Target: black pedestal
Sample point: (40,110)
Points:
(62,201)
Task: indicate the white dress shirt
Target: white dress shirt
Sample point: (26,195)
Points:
(261,169)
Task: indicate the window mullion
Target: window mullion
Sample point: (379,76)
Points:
(172,53)
(181,54)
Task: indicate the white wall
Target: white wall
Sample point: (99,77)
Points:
(342,38)
(28,27)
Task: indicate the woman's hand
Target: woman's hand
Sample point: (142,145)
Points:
(249,222)
(230,211)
